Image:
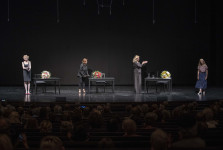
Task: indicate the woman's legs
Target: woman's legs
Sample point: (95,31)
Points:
(203,92)
(200,91)
(137,81)
(28,87)
(80,84)
(25,85)
(83,84)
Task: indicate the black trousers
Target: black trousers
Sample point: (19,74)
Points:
(82,81)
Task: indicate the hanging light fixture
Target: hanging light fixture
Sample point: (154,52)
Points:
(58,12)
(195,12)
(84,2)
(154,21)
(8,10)
(102,4)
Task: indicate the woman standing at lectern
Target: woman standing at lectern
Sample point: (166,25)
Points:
(26,65)
(137,73)
(82,75)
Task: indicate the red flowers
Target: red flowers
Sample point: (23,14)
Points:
(96,74)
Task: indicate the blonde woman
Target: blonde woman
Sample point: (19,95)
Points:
(137,73)
(82,75)
(26,65)
(202,75)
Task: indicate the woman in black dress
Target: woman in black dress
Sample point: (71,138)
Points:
(137,73)
(26,65)
(82,75)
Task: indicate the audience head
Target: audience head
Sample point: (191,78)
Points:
(107,108)
(208,114)
(129,127)
(45,126)
(86,112)
(200,117)
(100,108)
(43,114)
(20,110)
(51,143)
(114,124)
(95,119)
(144,108)
(165,115)
(58,109)
(4,126)
(159,140)
(14,117)
(76,115)
(5,142)
(136,111)
(188,125)
(150,118)
(31,123)
(80,133)
(128,108)
(106,143)
(36,111)
(66,126)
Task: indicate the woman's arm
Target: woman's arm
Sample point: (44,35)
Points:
(29,65)
(197,74)
(81,70)
(87,72)
(144,62)
(138,65)
(206,75)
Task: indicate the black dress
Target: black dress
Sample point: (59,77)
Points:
(26,73)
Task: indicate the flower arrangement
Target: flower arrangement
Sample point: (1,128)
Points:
(165,75)
(45,74)
(96,74)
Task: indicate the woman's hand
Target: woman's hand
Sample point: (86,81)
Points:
(144,62)
(197,78)
(206,78)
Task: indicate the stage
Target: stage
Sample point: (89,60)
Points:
(121,94)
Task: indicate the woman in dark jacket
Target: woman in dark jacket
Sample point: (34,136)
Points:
(82,75)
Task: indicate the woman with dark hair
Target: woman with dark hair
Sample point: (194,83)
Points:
(202,75)
(82,75)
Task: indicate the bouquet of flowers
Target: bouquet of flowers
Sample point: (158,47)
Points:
(96,74)
(45,74)
(165,75)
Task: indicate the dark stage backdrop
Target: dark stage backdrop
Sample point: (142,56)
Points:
(174,43)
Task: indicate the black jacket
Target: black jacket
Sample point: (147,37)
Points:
(83,71)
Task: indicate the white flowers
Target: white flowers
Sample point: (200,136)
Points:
(165,75)
(45,74)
